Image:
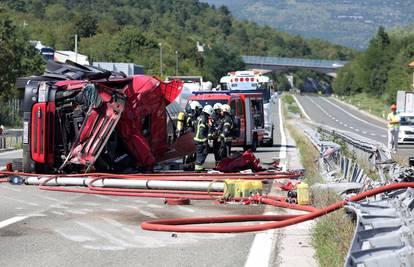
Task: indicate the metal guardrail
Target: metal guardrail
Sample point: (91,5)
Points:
(11,139)
(384,234)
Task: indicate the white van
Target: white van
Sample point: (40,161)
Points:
(406,133)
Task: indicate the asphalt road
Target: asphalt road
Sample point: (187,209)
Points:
(326,111)
(39,228)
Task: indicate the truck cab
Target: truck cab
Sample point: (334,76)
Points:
(83,119)
(247,109)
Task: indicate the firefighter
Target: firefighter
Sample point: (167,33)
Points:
(192,114)
(200,137)
(193,110)
(216,121)
(226,132)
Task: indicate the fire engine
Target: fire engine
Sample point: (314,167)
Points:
(253,81)
(82,118)
(247,109)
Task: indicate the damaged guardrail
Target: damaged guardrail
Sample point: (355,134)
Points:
(384,234)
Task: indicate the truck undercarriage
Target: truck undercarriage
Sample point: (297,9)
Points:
(81,119)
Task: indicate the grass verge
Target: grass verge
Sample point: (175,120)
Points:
(331,234)
(291,104)
(308,154)
(366,102)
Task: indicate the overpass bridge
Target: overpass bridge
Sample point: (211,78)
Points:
(329,67)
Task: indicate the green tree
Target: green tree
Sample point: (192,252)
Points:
(220,60)
(17,57)
(86,24)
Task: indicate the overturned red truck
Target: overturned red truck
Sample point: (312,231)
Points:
(81,118)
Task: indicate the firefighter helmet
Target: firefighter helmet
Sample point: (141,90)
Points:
(226,108)
(195,105)
(208,109)
(217,106)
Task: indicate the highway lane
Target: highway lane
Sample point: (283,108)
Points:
(42,227)
(329,112)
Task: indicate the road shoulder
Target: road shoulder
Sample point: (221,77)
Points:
(293,243)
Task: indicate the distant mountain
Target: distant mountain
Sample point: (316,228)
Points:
(347,22)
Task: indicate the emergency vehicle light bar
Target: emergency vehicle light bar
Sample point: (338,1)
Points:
(228,92)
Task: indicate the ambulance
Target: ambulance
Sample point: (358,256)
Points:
(253,81)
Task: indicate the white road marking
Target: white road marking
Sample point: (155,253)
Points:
(261,249)
(300,107)
(58,213)
(346,125)
(350,127)
(12,220)
(372,134)
(21,201)
(185,209)
(282,153)
(10,187)
(357,130)
(352,115)
(106,235)
(148,214)
(383,135)
(364,132)
(262,246)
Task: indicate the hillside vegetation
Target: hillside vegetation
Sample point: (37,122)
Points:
(351,23)
(382,69)
(130,31)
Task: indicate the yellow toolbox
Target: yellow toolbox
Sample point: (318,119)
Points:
(242,188)
(303,193)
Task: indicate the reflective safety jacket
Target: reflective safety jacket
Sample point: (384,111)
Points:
(393,120)
(215,129)
(201,128)
(226,128)
(190,119)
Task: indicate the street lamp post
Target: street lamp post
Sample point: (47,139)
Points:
(76,48)
(161,72)
(176,63)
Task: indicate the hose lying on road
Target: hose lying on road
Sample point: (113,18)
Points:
(89,179)
(277,221)
(187,224)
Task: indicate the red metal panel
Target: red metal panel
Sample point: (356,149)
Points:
(38,133)
(50,132)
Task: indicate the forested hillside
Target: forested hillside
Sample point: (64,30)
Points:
(130,31)
(351,23)
(382,69)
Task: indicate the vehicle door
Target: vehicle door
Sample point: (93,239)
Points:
(238,110)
